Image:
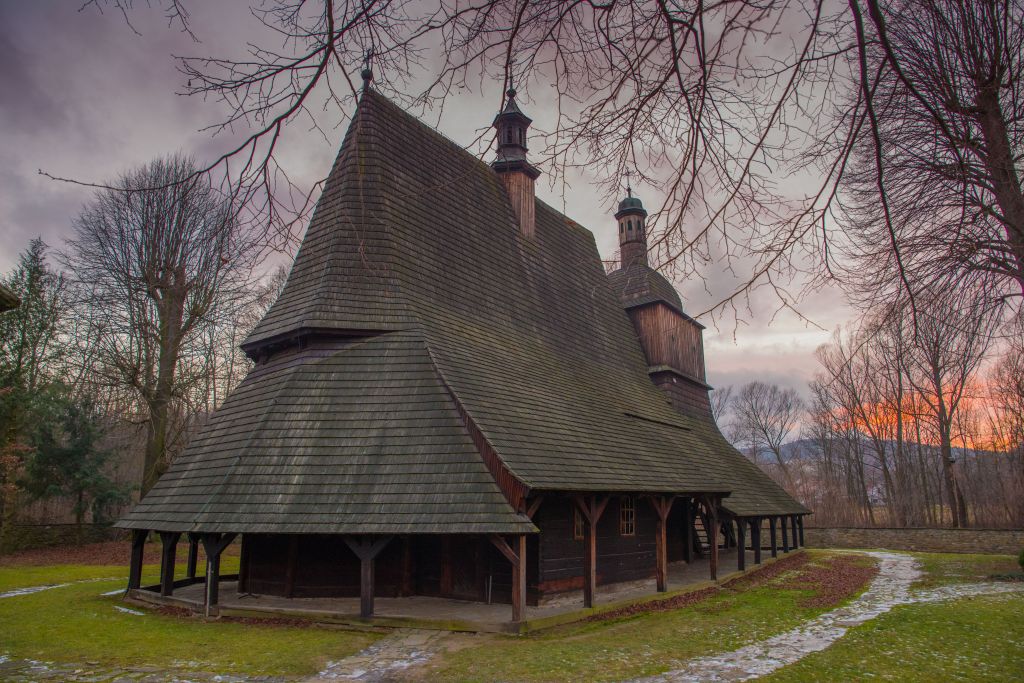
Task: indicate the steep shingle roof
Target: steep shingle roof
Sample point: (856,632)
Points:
(414,251)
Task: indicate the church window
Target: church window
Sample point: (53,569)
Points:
(631,226)
(522,138)
(627,516)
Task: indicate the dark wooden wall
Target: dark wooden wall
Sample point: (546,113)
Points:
(619,558)
(444,566)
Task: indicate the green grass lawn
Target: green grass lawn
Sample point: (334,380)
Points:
(77,624)
(945,568)
(641,645)
(971,639)
(975,639)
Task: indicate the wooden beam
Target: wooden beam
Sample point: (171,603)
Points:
(193,554)
(169,541)
(662,506)
(138,551)
(534,505)
(688,515)
(784,523)
(755,538)
(773,538)
(406,587)
(244,560)
(591,507)
(712,506)
(447,578)
(796,537)
(290,566)
(366,549)
(517,557)
(519,581)
(800,519)
(741,544)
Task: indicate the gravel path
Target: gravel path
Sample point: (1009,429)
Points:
(890,588)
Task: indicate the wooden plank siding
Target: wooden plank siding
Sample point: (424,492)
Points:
(669,339)
(619,558)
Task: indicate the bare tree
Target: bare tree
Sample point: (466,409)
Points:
(763,418)
(933,198)
(953,336)
(159,258)
(712,102)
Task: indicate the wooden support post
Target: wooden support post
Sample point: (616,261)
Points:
(290,566)
(772,537)
(138,551)
(784,523)
(366,549)
(591,507)
(169,541)
(796,538)
(712,505)
(213,546)
(662,506)
(755,538)
(243,566)
(517,556)
(447,578)
(800,519)
(688,515)
(193,554)
(741,544)
(406,587)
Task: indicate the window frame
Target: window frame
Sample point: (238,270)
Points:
(579,527)
(627,516)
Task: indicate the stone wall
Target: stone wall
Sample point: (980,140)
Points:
(995,541)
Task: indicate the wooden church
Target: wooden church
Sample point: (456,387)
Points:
(452,398)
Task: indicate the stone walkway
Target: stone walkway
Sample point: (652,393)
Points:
(386,659)
(890,588)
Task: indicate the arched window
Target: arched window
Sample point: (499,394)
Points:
(630,226)
(522,137)
(622,228)
(509,136)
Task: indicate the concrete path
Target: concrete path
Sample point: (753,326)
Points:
(387,659)
(890,588)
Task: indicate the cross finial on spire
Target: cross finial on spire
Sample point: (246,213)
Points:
(367,71)
(511,92)
(629,189)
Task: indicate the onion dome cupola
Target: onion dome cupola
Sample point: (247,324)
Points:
(632,218)
(511,165)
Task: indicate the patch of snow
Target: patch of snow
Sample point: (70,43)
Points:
(129,611)
(31,589)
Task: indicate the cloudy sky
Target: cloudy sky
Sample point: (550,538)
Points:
(84,96)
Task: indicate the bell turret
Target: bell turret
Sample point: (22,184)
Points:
(511,164)
(632,218)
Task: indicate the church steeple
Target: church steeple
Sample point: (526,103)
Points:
(632,218)
(511,164)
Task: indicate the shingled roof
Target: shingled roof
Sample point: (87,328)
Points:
(422,308)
